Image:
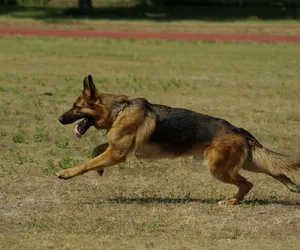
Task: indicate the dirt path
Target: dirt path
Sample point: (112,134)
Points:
(150,35)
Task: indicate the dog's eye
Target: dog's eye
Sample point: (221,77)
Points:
(74,106)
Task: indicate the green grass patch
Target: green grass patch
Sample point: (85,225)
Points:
(61,143)
(51,167)
(65,162)
(38,117)
(18,137)
(40,135)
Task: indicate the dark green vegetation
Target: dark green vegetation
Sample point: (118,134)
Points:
(136,10)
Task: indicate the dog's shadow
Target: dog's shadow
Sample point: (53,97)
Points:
(184,200)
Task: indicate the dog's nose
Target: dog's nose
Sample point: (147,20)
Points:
(61,119)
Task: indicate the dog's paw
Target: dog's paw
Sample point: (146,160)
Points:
(65,174)
(233,201)
(100,172)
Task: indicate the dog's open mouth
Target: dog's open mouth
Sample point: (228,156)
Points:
(81,127)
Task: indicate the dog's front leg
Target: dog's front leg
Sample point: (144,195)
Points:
(108,158)
(119,146)
(98,151)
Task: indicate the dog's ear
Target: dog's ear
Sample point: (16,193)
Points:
(89,88)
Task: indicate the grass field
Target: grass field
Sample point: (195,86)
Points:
(142,204)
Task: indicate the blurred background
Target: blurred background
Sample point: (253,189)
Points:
(215,10)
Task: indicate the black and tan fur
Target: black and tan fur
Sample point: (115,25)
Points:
(146,130)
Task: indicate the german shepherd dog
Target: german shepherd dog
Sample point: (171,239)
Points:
(146,130)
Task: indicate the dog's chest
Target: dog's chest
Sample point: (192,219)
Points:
(152,151)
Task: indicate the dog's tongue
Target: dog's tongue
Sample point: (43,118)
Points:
(82,127)
(76,132)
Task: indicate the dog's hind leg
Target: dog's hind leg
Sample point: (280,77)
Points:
(293,187)
(287,182)
(243,185)
(225,157)
(98,151)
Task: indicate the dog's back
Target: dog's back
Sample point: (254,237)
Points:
(179,130)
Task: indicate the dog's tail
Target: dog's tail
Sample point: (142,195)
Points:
(274,163)
(267,161)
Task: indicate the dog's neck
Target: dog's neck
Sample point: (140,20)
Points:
(117,109)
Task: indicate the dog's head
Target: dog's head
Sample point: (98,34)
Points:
(88,106)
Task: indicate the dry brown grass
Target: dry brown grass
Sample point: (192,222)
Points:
(141,205)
